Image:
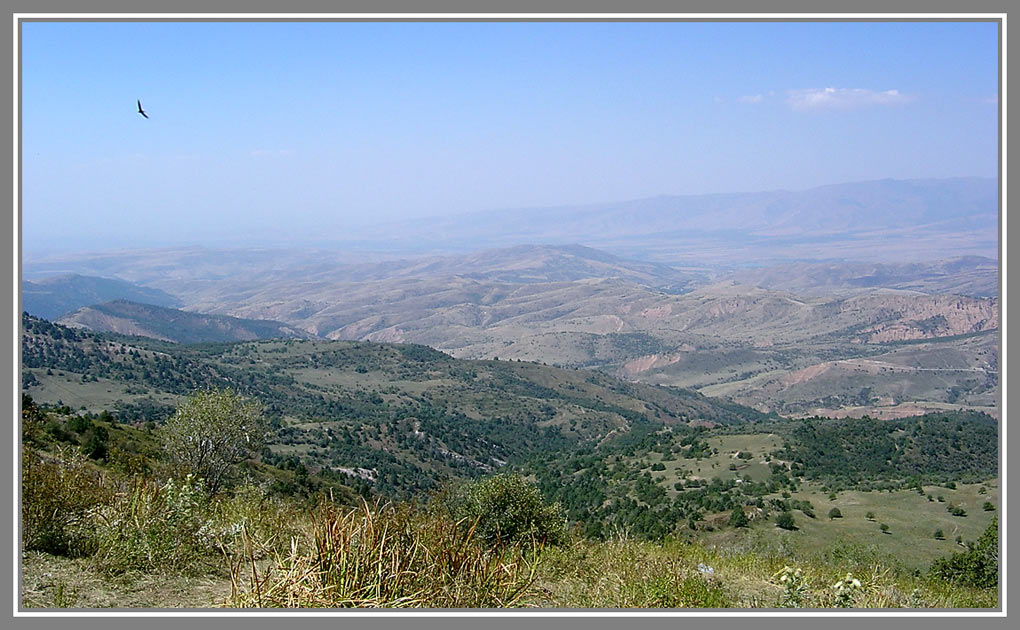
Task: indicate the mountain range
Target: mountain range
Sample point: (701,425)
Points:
(858,298)
(885,220)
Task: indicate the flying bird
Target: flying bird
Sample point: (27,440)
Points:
(142,111)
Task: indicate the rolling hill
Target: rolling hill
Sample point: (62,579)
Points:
(401,417)
(973,276)
(745,335)
(55,296)
(168,324)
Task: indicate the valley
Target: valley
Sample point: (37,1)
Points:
(635,312)
(873,343)
(689,409)
(651,462)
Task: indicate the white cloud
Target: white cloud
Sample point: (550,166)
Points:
(751,100)
(843,98)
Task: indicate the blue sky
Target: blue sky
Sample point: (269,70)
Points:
(285,130)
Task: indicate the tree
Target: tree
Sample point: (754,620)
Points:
(738,518)
(785,520)
(97,442)
(213,431)
(835,513)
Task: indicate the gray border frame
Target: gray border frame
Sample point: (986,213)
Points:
(788,6)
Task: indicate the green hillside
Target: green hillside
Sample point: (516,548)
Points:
(667,498)
(396,418)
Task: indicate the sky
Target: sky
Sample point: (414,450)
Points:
(276,132)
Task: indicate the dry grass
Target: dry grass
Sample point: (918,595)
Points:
(387,556)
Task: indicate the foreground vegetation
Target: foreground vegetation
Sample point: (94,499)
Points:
(390,475)
(112,527)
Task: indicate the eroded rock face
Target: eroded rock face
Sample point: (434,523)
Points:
(936,316)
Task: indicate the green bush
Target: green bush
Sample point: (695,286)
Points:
(835,513)
(97,442)
(506,509)
(213,431)
(978,566)
(738,518)
(785,521)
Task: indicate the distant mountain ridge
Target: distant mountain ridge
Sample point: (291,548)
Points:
(974,276)
(50,298)
(166,324)
(885,220)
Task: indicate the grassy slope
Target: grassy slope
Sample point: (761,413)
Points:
(411,414)
(911,517)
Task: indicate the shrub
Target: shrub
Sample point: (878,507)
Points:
(738,518)
(97,442)
(506,509)
(988,507)
(884,528)
(978,566)
(785,521)
(956,510)
(212,431)
(835,513)
(79,424)
(59,498)
(939,535)
(32,420)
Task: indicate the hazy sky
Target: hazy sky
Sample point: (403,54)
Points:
(296,129)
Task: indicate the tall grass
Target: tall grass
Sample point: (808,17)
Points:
(175,527)
(627,573)
(60,497)
(388,556)
(155,527)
